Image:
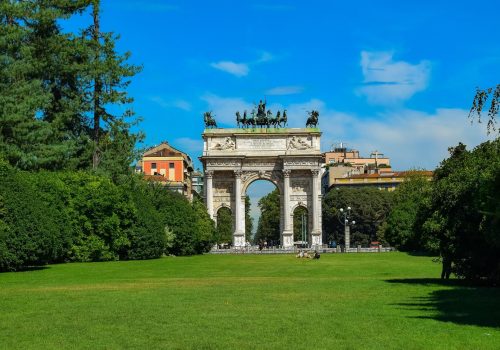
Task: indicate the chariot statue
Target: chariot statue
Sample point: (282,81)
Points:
(209,120)
(312,121)
(262,118)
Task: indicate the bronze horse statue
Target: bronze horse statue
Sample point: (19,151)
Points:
(312,121)
(209,120)
(239,119)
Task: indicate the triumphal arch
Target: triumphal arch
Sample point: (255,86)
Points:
(290,158)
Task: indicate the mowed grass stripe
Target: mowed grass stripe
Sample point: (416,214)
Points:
(246,302)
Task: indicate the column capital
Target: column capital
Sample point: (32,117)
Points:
(315,172)
(286,172)
(209,174)
(237,173)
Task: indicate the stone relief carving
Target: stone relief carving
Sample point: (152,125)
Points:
(259,164)
(227,144)
(301,199)
(265,174)
(223,188)
(300,162)
(222,199)
(298,143)
(300,186)
(246,174)
(226,163)
(262,143)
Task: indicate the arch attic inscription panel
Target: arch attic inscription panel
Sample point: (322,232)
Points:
(290,158)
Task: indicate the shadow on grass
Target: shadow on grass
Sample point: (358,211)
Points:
(456,302)
(28,269)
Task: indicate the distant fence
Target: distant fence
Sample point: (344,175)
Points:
(295,250)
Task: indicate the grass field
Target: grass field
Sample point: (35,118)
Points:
(389,301)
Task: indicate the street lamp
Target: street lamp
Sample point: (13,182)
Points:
(347,226)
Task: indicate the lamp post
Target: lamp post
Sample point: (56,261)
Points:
(347,226)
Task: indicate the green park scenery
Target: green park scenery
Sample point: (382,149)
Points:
(75,220)
(390,301)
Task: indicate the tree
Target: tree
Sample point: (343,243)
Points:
(300,222)
(463,212)
(205,227)
(23,136)
(107,80)
(268,228)
(403,226)
(370,207)
(248,220)
(480,101)
(58,91)
(224,230)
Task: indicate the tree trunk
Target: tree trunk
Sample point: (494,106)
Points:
(97,87)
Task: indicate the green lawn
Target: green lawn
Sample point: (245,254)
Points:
(380,301)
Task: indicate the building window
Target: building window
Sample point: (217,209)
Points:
(153,165)
(171,165)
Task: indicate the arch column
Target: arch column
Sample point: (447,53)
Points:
(209,197)
(239,230)
(316,238)
(287,234)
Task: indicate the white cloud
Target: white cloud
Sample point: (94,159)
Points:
(387,81)
(189,145)
(410,138)
(225,108)
(179,103)
(285,90)
(265,57)
(182,104)
(297,113)
(236,69)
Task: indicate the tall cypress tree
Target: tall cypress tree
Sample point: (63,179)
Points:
(60,92)
(109,73)
(21,92)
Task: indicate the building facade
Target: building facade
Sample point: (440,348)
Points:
(387,181)
(168,166)
(342,162)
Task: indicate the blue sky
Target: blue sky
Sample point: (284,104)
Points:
(394,76)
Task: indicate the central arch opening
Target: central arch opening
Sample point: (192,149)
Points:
(263,206)
(301,226)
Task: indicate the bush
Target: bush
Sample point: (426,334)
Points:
(49,217)
(29,232)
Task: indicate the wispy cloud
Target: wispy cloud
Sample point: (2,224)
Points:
(189,145)
(182,104)
(265,57)
(243,68)
(285,90)
(179,103)
(387,81)
(410,138)
(236,69)
(226,107)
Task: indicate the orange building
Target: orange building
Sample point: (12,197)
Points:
(169,166)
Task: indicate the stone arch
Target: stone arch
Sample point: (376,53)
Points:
(267,154)
(255,176)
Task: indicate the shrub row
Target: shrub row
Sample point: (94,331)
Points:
(49,217)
